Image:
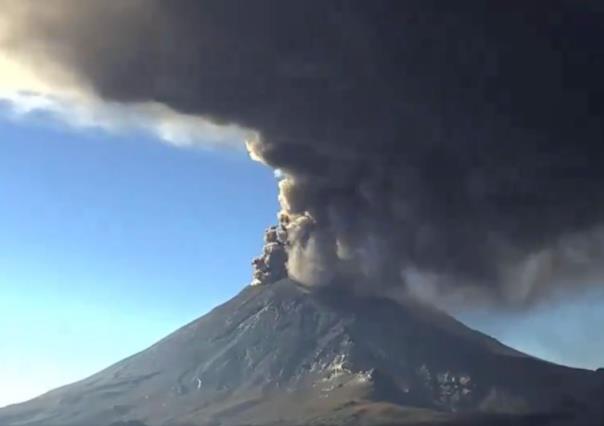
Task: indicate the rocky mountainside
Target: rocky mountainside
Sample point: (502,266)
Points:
(280,354)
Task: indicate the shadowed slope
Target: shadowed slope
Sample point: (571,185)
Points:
(285,355)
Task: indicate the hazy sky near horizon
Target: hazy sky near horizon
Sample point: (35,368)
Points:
(109,241)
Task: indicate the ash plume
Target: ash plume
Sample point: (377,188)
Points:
(448,149)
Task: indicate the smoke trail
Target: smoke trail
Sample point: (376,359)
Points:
(450,149)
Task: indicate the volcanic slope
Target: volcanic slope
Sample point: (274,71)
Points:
(282,354)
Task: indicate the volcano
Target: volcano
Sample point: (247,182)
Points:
(284,354)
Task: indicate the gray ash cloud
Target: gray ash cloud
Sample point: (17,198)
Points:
(448,148)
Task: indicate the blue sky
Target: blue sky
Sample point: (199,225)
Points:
(110,241)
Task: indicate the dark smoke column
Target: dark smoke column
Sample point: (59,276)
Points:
(448,149)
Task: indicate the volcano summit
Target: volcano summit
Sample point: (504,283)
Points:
(282,354)
(448,149)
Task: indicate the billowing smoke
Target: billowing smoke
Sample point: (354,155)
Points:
(272,265)
(449,149)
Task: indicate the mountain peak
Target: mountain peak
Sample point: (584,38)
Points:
(287,353)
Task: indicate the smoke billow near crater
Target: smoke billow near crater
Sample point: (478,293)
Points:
(452,152)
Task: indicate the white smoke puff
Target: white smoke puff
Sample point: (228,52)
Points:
(279,175)
(253,145)
(28,88)
(286,187)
